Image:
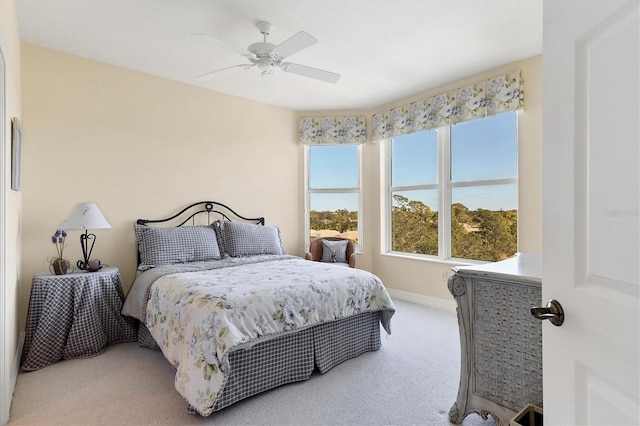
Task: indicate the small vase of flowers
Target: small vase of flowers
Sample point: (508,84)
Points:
(58,265)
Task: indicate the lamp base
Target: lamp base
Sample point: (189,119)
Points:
(94,265)
(86,264)
(89,266)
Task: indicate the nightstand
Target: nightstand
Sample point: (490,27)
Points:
(74,316)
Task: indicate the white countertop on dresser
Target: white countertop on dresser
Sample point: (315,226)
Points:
(524,267)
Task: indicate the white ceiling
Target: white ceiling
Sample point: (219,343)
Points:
(384,50)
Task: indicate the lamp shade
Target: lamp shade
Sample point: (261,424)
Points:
(85,216)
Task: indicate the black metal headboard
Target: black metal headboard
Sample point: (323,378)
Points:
(209,207)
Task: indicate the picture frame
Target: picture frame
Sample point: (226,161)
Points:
(16,154)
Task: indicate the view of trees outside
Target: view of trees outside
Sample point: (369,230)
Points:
(341,223)
(483,234)
(414,227)
(475,234)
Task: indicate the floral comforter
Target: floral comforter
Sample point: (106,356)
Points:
(198,317)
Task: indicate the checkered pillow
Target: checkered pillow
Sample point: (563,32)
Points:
(217,226)
(334,251)
(246,239)
(168,246)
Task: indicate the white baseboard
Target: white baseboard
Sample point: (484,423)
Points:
(13,379)
(15,368)
(432,302)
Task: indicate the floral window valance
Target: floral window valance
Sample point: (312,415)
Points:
(332,130)
(483,99)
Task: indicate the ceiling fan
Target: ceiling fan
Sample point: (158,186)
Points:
(268,56)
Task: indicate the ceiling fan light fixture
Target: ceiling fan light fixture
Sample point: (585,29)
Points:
(265,65)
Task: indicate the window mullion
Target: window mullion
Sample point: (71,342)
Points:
(388,229)
(444,193)
(307,198)
(413,187)
(388,210)
(360,190)
(486,182)
(333,190)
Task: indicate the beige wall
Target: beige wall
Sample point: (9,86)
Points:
(424,277)
(143,147)
(10,272)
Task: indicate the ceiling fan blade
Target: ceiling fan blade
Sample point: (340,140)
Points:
(207,76)
(228,46)
(318,74)
(294,44)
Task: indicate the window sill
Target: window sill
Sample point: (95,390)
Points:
(433,259)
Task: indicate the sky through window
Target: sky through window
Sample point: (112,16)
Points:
(480,149)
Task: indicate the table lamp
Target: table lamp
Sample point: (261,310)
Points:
(86,216)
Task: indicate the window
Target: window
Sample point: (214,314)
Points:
(414,193)
(453,192)
(333,191)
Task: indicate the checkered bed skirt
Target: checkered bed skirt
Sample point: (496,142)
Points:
(291,357)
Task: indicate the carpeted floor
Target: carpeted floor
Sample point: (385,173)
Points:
(411,380)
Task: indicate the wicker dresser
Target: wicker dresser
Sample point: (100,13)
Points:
(501,343)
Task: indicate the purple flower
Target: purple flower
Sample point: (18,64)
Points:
(58,239)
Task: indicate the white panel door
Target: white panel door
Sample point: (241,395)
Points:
(591,211)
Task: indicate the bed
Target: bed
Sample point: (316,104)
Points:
(236,315)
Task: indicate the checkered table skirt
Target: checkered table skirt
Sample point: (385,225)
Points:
(74,316)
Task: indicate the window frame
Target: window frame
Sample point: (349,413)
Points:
(308,191)
(444,186)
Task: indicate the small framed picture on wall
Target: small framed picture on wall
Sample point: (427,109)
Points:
(16,154)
